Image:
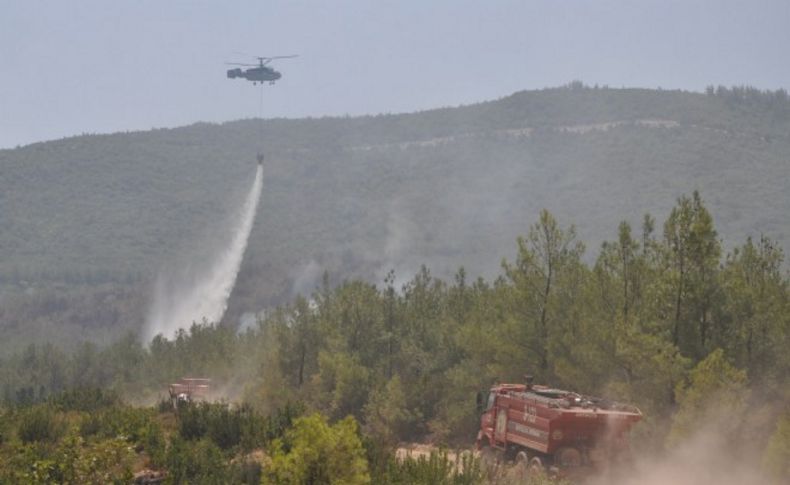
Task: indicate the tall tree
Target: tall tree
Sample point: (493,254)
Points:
(544,256)
(756,305)
(692,251)
(299,341)
(618,273)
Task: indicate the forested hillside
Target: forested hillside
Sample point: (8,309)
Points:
(86,223)
(661,318)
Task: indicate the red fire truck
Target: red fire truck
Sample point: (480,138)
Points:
(189,389)
(539,427)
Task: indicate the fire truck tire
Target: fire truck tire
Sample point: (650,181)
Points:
(521,458)
(568,457)
(521,465)
(536,466)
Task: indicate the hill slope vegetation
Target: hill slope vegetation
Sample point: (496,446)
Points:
(87,222)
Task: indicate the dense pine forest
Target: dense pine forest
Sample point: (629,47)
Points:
(661,315)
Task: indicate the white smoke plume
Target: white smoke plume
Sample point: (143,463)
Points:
(397,253)
(204,296)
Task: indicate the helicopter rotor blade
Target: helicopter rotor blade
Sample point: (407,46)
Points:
(240,64)
(270,58)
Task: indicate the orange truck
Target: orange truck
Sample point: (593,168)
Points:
(539,427)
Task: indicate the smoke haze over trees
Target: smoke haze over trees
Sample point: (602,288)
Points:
(664,320)
(87,222)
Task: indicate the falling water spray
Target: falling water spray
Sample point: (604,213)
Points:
(205,297)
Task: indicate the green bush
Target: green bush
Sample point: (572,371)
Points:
(164,405)
(229,427)
(39,423)
(275,425)
(315,452)
(90,425)
(195,462)
(71,461)
(117,421)
(216,421)
(154,443)
(437,468)
(5,426)
(107,461)
(776,458)
(87,400)
(717,393)
(246,471)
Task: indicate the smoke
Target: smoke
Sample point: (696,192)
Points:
(195,296)
(399,247)
(249,321)
(306,278)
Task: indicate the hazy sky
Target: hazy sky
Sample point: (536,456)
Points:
(72,67)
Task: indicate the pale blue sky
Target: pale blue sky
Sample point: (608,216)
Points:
(69,67)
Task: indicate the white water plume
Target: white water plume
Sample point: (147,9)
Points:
(204,296)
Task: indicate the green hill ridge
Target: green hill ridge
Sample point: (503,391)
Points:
(358,196)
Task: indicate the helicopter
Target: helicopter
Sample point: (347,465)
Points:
(257,73)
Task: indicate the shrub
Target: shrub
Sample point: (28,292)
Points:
(776,458)
(245,471)
(87,400)
(212,420)
(39,423)
(276,424)
(315,452)
(195,462)
(90,425)
(229,427)
(107,461)
(716,394)
(437,468)
(118,421)
(154,443)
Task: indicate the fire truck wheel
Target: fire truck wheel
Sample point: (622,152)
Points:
(521,465)
(536,466)
(568,457)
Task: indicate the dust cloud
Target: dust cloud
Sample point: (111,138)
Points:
(708,455)
(203,295)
